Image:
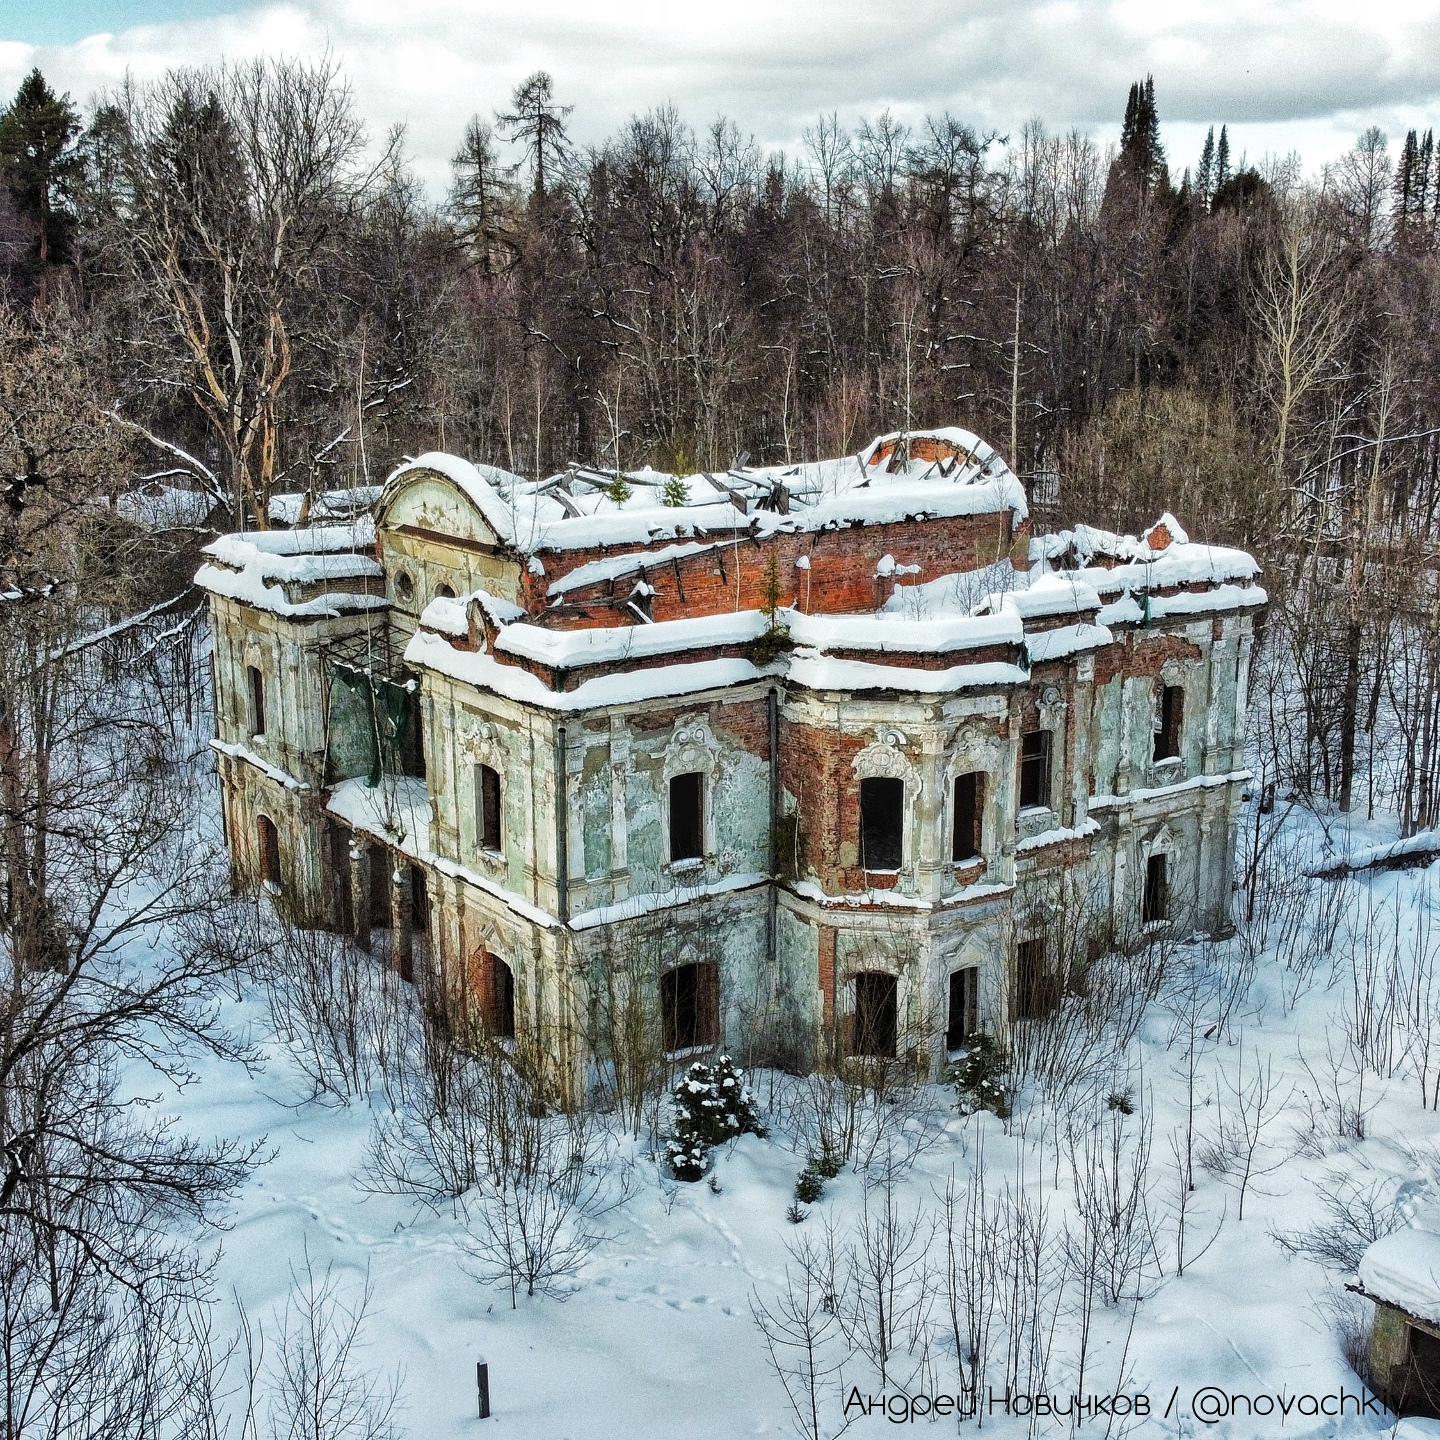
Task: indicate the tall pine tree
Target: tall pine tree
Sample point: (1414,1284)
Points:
(42,166)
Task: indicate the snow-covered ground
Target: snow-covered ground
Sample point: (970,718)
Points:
(657,1338)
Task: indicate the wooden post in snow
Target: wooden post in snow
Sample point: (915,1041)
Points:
(482,1385)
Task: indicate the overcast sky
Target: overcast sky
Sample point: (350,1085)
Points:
(1303,75)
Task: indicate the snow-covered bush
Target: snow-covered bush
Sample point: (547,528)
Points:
(713,1104)
(981,1077)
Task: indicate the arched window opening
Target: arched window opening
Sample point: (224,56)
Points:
(444,592)
(502,999)
(690,1006)
(255,690)
(269,850)
(687,816)
(487,808)
(882,823)
(877,1013)
(969,813)
(404,585)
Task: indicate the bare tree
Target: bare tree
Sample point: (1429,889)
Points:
(242,180)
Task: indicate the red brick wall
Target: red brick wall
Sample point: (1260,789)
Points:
(1140,653)
(827,974)
(841,578)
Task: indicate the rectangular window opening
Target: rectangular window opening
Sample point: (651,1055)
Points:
(381,887)
(487,808)
(876,1015)
(687,816)
(1169,722)
(255,683)
(1036,991)
(419,901)
(690,1006)
(969,809)
(882,823)
(1035,768)
(269,851)
(962,1016)
(1156,905)
(412,740)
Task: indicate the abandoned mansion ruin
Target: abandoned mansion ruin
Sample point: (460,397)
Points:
(828,755)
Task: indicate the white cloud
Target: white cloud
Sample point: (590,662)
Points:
(1302,74)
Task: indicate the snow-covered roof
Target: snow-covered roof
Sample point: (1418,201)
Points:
(566,649)
(1188,564)
(328,505)
(897,633)
(581,508)
(886,632)
(158,506)
(1403,1269)
(1044,596)
(242,564)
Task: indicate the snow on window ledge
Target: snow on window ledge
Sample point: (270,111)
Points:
(688,1051)
(684,867)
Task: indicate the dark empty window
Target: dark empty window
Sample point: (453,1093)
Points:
(255,685)
(404,586)
(961,1018)
(337,845)
(1169,721)
(382,887)
(876,1014)
(487,807)
(1420,1378)
(419,901)
(882,823)
(412,736)
(969,807)
(690,1006)
(1036,991)
(687,817)
(1156,905)
(502,999)
(1035,768)
(269,850)
(444,592)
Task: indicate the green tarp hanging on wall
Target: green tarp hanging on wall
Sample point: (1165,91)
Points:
(371,720)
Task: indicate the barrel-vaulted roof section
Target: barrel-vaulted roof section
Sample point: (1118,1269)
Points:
(917,476)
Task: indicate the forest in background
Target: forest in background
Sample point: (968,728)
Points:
(260,299)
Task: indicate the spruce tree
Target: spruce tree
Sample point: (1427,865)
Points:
(1407,210)
(42,166)
(1222,158)
(1205,174)
(479,194)
(1142,156)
